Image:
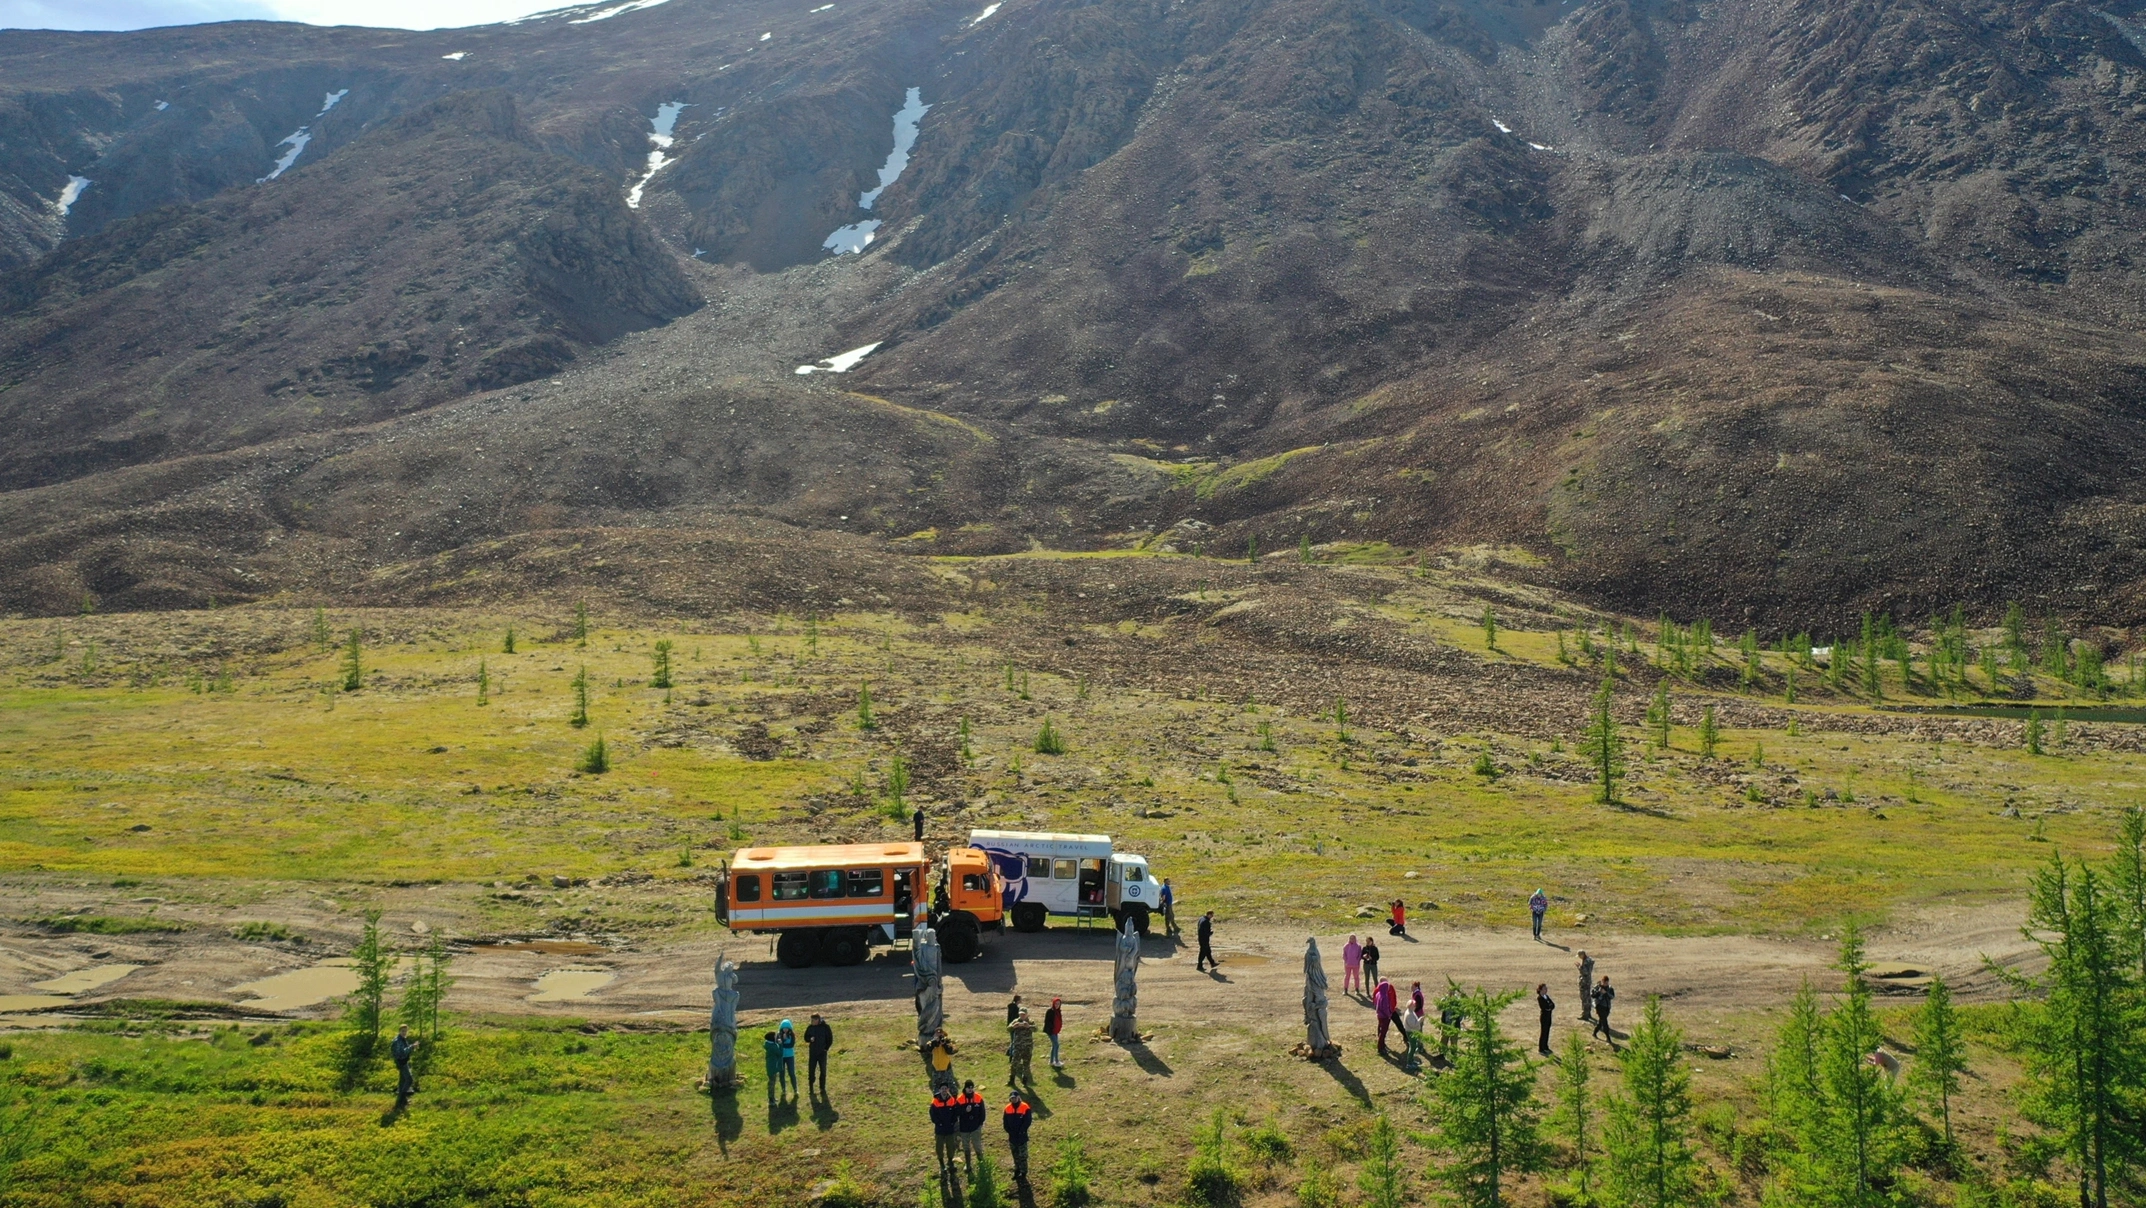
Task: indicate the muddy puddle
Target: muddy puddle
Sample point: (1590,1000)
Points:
(1246,958)
(30,1002)
(82,981)
(548,947)
(300,987)
(568,985)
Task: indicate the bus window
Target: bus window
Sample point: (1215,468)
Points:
(827,883)
(748,886)
(1062,870)
(790,887)
(1039,867)
(867,882)
(1134,873)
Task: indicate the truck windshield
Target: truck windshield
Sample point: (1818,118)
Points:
(1133,872)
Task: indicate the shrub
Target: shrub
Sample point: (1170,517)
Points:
(1069,1174)
(1049,741)
(596,759)
(1211,1181)
(1319,1188)
(1269,1144)
(983,1186)
(99,924)
(261,932)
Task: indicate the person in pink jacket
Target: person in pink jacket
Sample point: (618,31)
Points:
(1352,966)
(1386,1001)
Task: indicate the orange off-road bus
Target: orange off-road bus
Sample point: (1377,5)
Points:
(834,901)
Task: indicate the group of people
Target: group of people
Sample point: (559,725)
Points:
(1360,979)
(779,1049)
(957,1116)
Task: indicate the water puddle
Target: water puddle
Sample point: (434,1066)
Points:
(851,238)
(549,947)
(568,985)
(300,987)
(30,1002)
(82,981)
(1246,958)
(660,127)
(70,194)
(841,362)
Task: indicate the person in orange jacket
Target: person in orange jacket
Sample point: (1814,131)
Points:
(1016,1119)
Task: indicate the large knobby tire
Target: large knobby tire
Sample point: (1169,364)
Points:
(798,949)
(845,946)
(960,937)
(1139,916)
(1028,916)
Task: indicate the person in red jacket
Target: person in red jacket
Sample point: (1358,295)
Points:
(1054,1022)
(1400,919)
(1017,1117)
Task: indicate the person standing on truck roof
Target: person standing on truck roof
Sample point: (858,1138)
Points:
(970,1121)
(1016,1119)
(1207,941)
(1169,909)
(1538,906)
(789,1056)
(1021,1051)
(771,1052)
(1371,962)
(1054,1022)
(819,1039)
(916,822)
(945,1129)
(940,1056)
(1352,967)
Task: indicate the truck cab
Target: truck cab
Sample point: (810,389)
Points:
(1127,885)
(971,899)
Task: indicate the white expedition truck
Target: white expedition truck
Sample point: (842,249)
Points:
(1076,876)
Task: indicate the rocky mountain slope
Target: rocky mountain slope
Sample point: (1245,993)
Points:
(1751,309)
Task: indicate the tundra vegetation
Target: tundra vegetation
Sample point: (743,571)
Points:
(1660,782)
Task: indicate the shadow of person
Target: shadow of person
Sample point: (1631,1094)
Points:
(1036,1103)
(781,1114)
(1063,1079)
(729,1124)
(1024,1194)
(1216,975)
(1147,1060)
(1410,938)
(1349,1082)
(1556,945)
(393,1114)
(824,1114)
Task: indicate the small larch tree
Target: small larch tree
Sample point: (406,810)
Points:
(1709,734)
(580,716)
(1604,746)
(353,663)
(1940,1056)
(1483,1110)
(1648,1159)
(661,659)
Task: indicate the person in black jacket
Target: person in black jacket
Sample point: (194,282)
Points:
(1548,1008)
(1207,944)
(945,1127)
(402,1050)
(819,1039)
(1604,996)
(1016,1118)
(971,1111)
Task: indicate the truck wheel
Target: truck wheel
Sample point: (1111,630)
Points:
(798,949)
(960,937)
(845,946)
(1028,916)
(1139,916)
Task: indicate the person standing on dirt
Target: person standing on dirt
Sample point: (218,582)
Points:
(789,1056)
(1016,1119)
(940,1056)
(1604,996)
(1383,1001)
(1587,986)
(771,1052)
(1168,902)
(1371,961)
(402,1049)
(819,1040)
(1054,1022)
(1415,997)
(1023,1050)
(1538,906)
(1352,967)
(1207,942)
(945,1130)
(1399,926)
(971,1111)
(1548,1008)
(1412,1049)
(916,823)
